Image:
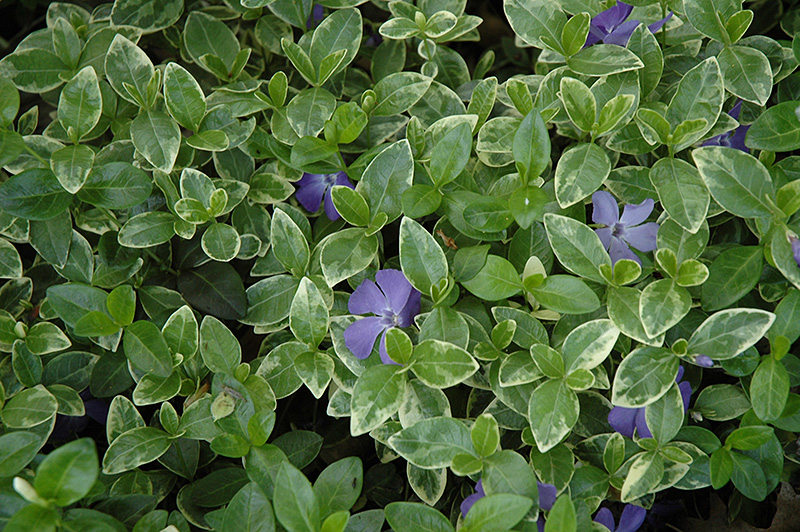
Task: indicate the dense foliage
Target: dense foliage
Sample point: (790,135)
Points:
(321,266)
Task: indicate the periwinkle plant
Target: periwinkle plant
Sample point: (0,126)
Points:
(327,265)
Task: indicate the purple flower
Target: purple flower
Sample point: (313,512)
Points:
(613,27)
(312,187)
(472,499)
(624,420)
(316,16)
(728,139)
(547,497)
(393,301)
(618,232)
(704,361)
(631,519)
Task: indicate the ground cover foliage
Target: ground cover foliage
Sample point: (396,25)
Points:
(325,266)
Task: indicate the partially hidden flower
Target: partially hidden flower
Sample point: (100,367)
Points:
(704,361)
(613,27)
(730,139)
(547,497)
(312,188)
(795,242)
(620,232)
(394,303)
(631,519)
(624,420)
(316,16)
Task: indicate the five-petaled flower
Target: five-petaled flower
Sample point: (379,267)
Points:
(393,301)
(624,420)
(613,27)
(619,232)
(631,519)
(733,139)
(312,188)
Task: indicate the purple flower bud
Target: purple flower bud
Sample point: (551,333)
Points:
(704,361)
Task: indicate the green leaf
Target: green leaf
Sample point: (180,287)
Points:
(221,242)
(497,512)
(496,280)
(682,192)
(269,300)
(746,73)
(205,34)
(769,389)
(45,338)
(577,247)
(748,477)
(422,260)
(71,166)
(699,95)
(488,213)
(580,172)
(614,112)
(377,395)
(299,59)
(136,447)
(645,473)
(150,16)
(588,345)
(398,92)
(52,238)
(68,473)
(338,487)
(432,443)
(350,205)
(776,129)
(451,154)
(579,103)
(338,32)
(441,364)
(128,67)
(709,17)
(308,316)
(537,22)
(34,194)
(296,505)
(210,140)
(288,243)
(249,511)
(721,467)
(116,185)
(531,147)
(604,60)
(749,438)
(80,104)
(485,435)
(33,517)
(26,364)
(562,516)
(644,375)
(146,349)
(413,516)
(662,305)
(10,261)
(33,70)
(665,416)
(17,449)
(29,408)
(147,229)
(737,180)
(183,96)
(722,402)
(565,294)
(732,275)
(157,137)
(219,348)
(727,333)
(552,410)
(386,178)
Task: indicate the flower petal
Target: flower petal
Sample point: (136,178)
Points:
(636,214)
(311,188)
(605,518)
(547,495)
(367,298)
(623,420)
(595,35)
(631,519)
(622,34)
(641,424)
(655,26)
(396,287)
(604,208)
(405,317)
(605,236)
(612,17)
(686,394)
(795,248)
(385,358)
(735,110)
(468,502)
(360,336)
(330,209)
(343,180)
(619,250)
(737,139)
(643,237)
